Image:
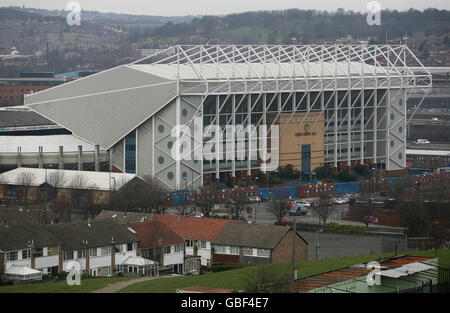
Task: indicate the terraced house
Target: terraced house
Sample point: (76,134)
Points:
(99,247)
(257,244)
(26,248)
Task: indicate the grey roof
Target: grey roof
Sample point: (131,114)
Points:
(24,215)
(16,235)
(264,236)
(98,234)
(123,218)
(22,118)
(103,108)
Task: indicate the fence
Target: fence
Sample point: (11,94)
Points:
(279,192)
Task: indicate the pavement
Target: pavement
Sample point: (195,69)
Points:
(118,286)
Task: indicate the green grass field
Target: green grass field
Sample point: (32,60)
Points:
(235,279)
(87,285)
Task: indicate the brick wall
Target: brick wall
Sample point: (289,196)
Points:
(283,251)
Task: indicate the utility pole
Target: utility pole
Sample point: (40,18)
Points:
(293,255)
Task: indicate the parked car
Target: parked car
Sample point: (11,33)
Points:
(283,221)
(303,203)
(254,199)
(297,212)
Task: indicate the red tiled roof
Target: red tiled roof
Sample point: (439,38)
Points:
(199,228)
(149,232)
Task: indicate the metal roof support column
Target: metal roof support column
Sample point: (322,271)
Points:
(250,135)
(349,128)
(80,158)
(96,160)
(233,117)
(61,158)
(19,156)
(363,126)
(178,125)
(110,152)
(375,123)
(41,157)
(218,143)
(153,146)
(335,123)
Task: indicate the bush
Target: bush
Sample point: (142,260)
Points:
(46,277)
(324,171)
(346,177)
(345,229)
(85,276)
(62,275)
(223,266)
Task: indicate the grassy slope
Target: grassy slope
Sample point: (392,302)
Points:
(235,278)
(87,285)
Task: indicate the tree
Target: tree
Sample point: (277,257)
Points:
(26,181)
(238,203)
(324,208)
(183,210)
(78,184)
(278,208)
(206,198)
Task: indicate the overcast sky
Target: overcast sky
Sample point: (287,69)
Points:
(203,7)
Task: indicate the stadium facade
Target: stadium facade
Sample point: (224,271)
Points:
(339,105)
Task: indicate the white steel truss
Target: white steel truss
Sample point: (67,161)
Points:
(353,87)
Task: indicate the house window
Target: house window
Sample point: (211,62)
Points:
(105,271)
(11,256)
(81,253)
(93,252)
(26,254)
(118,248)
(193,265)
(167,249)
(263,253)
(179,247)
(219,249)
(130,152)
(202,244)
(189,243)
(234,250)
(106,250)
(39,252)
(130,246)
(248,251)
(68,255)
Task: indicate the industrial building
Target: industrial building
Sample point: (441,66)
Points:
(340,105)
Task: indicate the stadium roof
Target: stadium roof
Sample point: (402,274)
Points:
(104,107)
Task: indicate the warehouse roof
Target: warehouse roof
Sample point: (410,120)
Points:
(71,179)
(49,144)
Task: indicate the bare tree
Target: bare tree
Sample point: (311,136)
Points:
(239,202)
(206,198)
(278,208)
(183,210)
(56,181)
(324,208)
(78,183)
(26,181)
